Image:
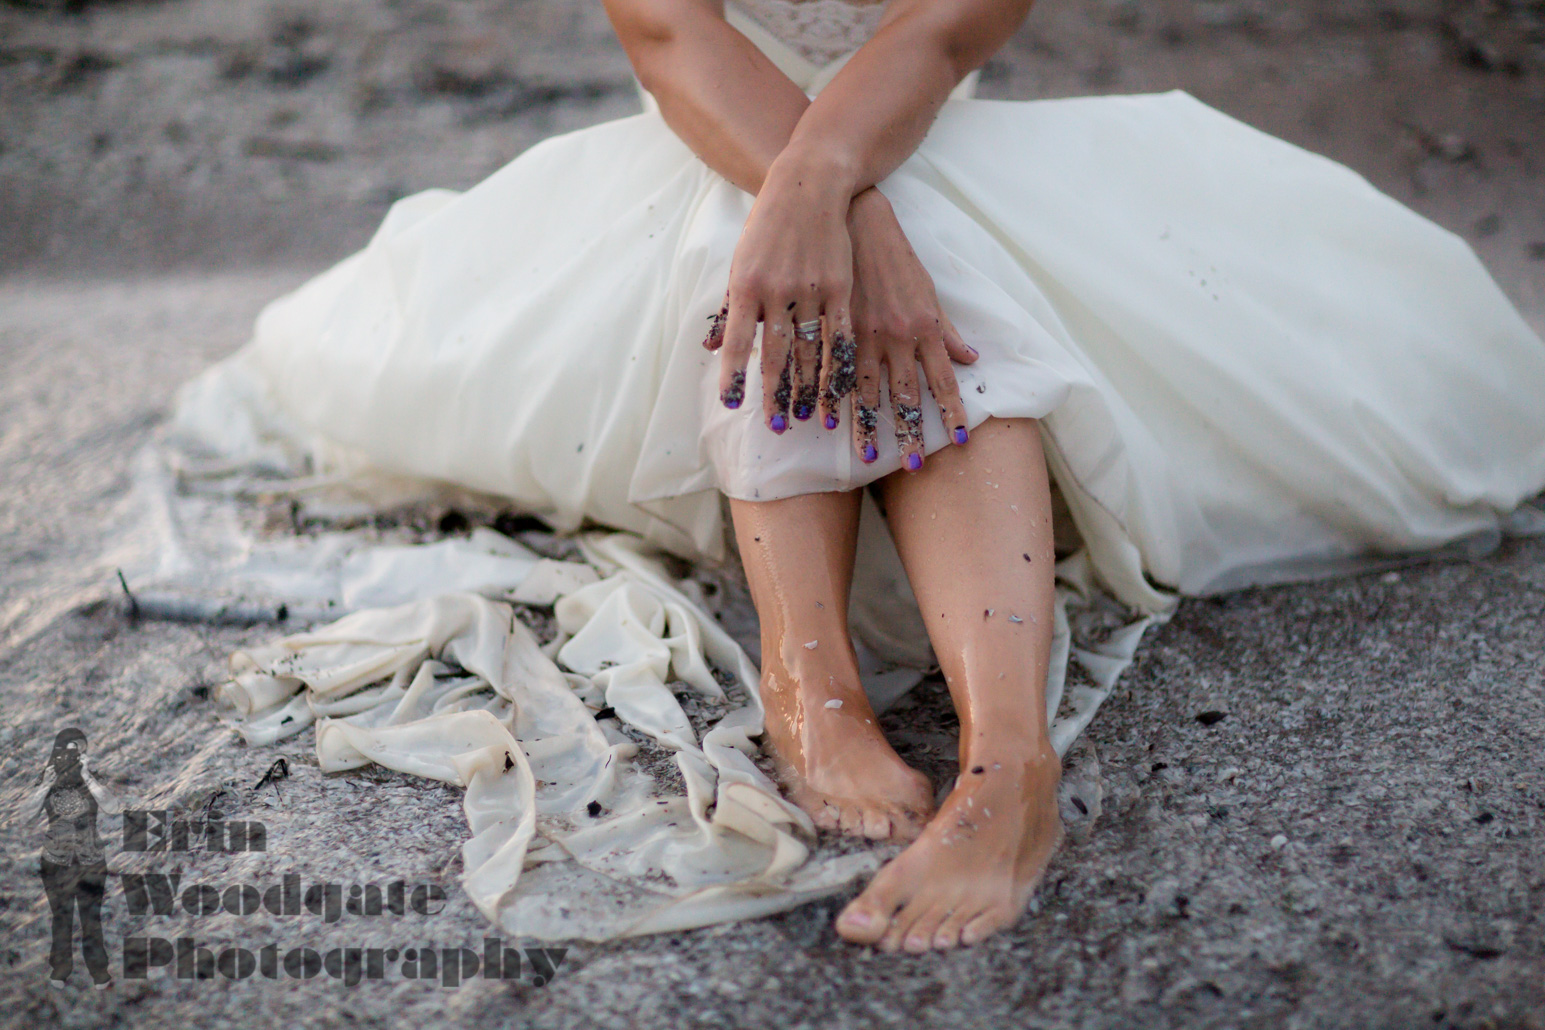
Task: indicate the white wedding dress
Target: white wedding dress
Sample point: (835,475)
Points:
(1250,366)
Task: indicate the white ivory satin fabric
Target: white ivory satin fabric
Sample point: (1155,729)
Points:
(431,674)
(1250,366)
(571,837)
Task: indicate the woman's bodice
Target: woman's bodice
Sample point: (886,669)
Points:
(809,40)
(820,31)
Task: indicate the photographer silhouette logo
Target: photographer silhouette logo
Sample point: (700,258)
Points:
(72,865)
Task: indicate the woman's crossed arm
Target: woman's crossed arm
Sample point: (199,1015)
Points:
(820,239)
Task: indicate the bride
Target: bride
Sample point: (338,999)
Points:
(1214,359)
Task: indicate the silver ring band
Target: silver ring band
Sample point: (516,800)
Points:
(810,331)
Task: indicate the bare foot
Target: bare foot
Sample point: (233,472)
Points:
(975,866)
(834,760)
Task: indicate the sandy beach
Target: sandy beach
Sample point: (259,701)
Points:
(1322,804)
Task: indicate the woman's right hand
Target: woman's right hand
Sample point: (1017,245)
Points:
(898,326)
(793,264)
(890,325)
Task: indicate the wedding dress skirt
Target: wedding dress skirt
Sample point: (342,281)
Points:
(1250,366)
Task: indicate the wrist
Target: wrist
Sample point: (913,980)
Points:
(871,221)
(827,180)
(868,205)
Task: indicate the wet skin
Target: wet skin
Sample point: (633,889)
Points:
(833,759)
(973,529)
(814,163)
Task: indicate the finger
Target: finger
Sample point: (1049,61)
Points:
(813,400)
(866,402)
(940,375)
(739,335)
(906,401)
(805,360)
(776,382)
(840,367)
(715,338)
(959,350)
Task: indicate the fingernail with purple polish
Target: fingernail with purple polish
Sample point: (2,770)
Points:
(803,413)
(870,454)
(779,423)
(732,402)
(960,434)
(914,462)
(831,421)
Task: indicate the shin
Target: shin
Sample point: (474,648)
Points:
(832,756)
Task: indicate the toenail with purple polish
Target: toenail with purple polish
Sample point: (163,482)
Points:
(779,423)
(870,454)
(960,434)
(831,421)
(914,462)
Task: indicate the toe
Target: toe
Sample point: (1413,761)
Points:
(877,824)
(824,814)
(987,923)
(862,921)
(852,821)
(919,798)
(868,917)
(920,935)
(903,922)
(923,794)
(947,935)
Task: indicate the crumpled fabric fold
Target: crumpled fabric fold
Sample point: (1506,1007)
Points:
(454,687)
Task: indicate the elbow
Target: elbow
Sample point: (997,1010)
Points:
(648,33)
(651,68)
(965,43)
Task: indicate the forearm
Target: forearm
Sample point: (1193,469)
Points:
(878,108)
(716,90)
(738,112)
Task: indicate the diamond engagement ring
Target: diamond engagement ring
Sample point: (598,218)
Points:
(809,331)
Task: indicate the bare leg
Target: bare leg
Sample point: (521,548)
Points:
(974,532)
(831,753)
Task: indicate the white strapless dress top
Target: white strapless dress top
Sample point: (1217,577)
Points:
(1250,365)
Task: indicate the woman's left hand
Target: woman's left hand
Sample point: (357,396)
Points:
(793,264)
(898,326)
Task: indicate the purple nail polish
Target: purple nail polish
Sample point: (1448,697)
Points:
(779,423)
(960,434)
(831,421)
(974,352)
(870,454)
(914,462)
(732,402)
(803,413)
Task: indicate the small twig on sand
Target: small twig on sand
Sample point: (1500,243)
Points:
(133,604)
(280,770)
(190,610)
